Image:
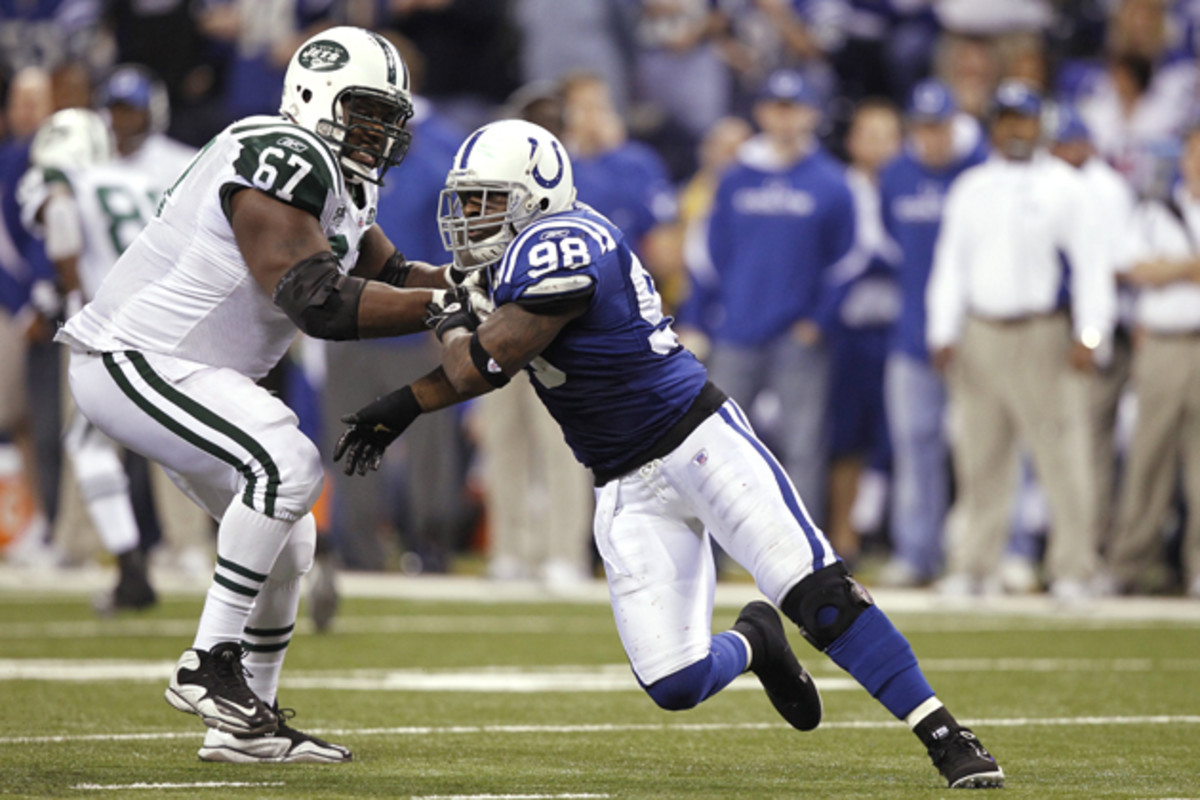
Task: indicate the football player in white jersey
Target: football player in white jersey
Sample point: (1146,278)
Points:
(88,209)
(139,110)
(675,460)
(270,229)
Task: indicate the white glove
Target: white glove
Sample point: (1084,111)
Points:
(481,300)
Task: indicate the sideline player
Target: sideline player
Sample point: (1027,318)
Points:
(88,209)
(675,459)
(269,229)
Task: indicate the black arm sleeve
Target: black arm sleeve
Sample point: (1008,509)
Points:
(320,300)
(395,270)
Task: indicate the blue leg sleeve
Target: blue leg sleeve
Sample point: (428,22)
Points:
(880,658)
(727,658)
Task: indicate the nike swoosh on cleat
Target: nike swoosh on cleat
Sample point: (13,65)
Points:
(246,711)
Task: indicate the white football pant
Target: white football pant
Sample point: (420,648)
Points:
(652,529)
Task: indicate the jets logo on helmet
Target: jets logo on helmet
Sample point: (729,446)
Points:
(350,87)
(506,175)
(323,56)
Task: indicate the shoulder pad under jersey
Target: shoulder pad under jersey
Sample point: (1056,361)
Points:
(289,163)
(552,261)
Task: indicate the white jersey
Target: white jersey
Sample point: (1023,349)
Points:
(160,159)
(183,288)
(114,206)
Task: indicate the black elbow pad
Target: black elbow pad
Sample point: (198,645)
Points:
(320,300)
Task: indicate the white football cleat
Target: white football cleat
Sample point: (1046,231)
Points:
(285,746)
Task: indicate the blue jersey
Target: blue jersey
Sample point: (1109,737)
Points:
(22,255)
(46,33)
(629,185)
(911,199)
(615,378)
(773,236)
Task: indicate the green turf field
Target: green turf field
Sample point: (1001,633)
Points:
(442,699)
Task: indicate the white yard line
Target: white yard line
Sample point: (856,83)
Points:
(494,730)
(566,678)
(48,583)
(508,625)
(121,787)
(571,796)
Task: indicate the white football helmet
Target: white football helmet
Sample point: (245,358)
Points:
(350,87)
(73,138)
(522,163)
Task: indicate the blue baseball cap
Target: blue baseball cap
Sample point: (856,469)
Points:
(1069,126)
(1016,97)
(131,85)
(931,101)
(789,86)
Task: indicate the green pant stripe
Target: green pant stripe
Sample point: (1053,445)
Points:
(235,587)
(188,435)
(240,570)
(217,423)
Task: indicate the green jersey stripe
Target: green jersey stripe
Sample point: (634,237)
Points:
(217,423)
(188,435)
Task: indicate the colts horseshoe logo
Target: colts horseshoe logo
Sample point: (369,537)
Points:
(537,175)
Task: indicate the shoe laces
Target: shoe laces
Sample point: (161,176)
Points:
(283,714)
(962,742)
(230,669)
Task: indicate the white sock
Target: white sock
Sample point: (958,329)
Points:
(922,711)
(112,514)
(248,544)
(272,621)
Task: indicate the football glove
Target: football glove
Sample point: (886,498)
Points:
(372,428)
(476,285)
(451,309)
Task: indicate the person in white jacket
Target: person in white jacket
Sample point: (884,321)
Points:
(1000,328)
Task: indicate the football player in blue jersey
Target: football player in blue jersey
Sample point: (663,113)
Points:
(675,460)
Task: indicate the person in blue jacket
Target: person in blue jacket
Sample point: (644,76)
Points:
(782,218)
(942,142)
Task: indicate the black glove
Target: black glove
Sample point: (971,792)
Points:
(455,311)
(372,428)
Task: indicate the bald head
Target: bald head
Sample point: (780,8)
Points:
(30,101)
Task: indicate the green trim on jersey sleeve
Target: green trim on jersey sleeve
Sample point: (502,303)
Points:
(51,175)
(288,165)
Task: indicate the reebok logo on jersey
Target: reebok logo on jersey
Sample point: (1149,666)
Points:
(292,144)
(558,234)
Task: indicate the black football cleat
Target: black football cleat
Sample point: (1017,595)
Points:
(212,685)
(965,763)
(789,687)
(133,591)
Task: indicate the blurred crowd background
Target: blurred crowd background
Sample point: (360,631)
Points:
(783,168)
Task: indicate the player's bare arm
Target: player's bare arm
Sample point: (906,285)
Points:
(290,258)
(509,339)
(469,369)
(380,260)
